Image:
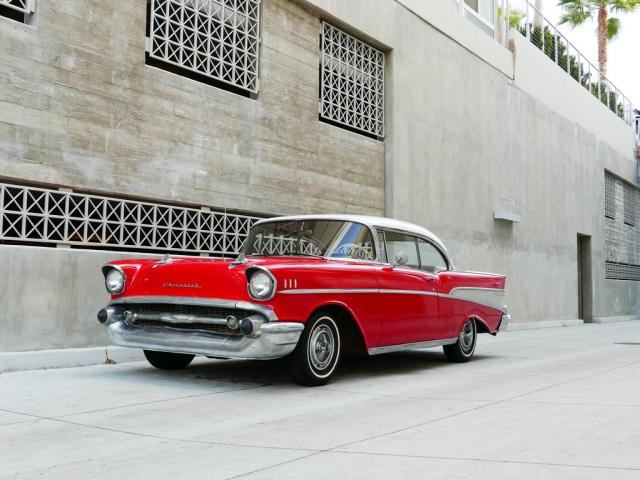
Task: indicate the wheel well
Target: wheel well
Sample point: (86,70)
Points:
(350,335)
(481,327)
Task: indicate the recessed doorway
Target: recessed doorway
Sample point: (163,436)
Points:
(585,291)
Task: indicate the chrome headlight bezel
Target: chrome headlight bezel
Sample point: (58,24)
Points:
(117,272)
(261,284)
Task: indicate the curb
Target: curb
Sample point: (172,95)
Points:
(515,326)
(66,357)
(625,318)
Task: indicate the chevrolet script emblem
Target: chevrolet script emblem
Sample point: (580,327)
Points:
(181,285)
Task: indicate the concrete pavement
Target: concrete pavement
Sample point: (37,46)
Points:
(561,403)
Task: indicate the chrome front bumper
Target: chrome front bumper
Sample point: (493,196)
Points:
(268,338)
(271,340)
(504,323)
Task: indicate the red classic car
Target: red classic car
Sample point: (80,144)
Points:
(307,287)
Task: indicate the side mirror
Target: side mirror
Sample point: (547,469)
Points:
(400,258)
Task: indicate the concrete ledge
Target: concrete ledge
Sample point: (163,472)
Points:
(624,318)
(544,324)
(68,357)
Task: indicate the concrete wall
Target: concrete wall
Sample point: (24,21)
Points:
(50,297)
(483,129)
(79,107)
(469,131)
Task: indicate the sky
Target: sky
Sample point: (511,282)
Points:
(624,50)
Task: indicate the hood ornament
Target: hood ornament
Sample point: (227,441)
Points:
(163,261)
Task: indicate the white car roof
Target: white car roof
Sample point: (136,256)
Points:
(370,221)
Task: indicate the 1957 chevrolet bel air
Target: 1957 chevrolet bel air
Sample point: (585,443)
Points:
(307,287)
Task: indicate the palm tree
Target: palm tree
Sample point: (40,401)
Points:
(576,12)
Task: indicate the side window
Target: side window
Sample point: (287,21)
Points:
(354,241)
(397,242)
(430,258)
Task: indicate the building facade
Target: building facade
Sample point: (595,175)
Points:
(171,125)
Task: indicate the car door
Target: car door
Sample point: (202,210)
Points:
(433,262)
(408,301)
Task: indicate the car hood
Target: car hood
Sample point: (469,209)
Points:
(200,277)
(184,277)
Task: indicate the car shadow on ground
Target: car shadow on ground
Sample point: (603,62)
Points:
(275,372)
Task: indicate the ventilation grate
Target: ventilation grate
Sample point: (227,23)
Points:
(39,215)
(352,82)
(622,271)
(219,39)
(609,196)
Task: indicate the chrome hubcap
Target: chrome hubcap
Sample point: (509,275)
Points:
(321,347)
(467,336)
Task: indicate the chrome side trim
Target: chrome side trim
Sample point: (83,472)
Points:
(408,292)
(205,302)
(489,297)
(491,274)
(409,346)
(271,340)
(309,291)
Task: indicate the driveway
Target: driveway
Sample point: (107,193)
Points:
(559,403)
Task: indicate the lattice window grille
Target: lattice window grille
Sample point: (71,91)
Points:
(629,202)
(216,38)
(38,215)
(609,196)
(24,6)
(622,271)
(351,82)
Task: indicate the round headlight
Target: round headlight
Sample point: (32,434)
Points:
(261,285)
(114,281)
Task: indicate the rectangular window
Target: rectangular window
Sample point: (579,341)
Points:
(431,260)
(351,82)
(609,196)
(629,205)
(19,10)
(208,40)
(400,242)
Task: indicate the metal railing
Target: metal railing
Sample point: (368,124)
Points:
(523,17)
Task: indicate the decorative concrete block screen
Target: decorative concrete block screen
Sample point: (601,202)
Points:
(46,216)
(622,271)
(609,196)
(629,205)
(24,6)
(351,82)
(219,39)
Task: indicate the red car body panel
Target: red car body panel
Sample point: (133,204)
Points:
(391,305)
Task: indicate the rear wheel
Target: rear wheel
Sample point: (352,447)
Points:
(168,360)
(318,351)
(463,349)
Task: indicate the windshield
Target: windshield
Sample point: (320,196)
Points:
(314,238)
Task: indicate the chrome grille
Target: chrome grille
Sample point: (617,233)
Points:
(205,327)
(196,310)
(150,315)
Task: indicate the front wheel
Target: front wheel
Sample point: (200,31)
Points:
(317,353)
(463,349)
(168,360)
